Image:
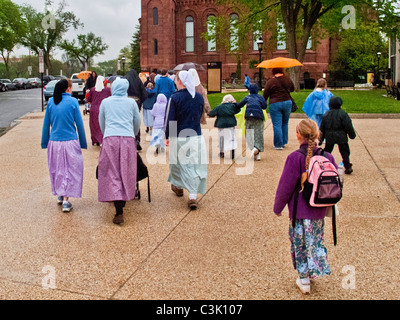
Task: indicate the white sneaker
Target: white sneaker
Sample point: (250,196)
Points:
(304,288)
(258,157)
(255,152)
(277,148)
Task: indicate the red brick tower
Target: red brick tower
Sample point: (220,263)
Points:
(157,26)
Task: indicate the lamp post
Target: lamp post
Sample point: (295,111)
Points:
(123,64)
(260,43)
(378,73)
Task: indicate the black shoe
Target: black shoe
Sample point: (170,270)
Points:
(118,219)
(139,147)
(349,171)
(147,130)
(222,155)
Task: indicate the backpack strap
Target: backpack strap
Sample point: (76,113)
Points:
(148,188)
(334,226)
(320,152)
(296,200)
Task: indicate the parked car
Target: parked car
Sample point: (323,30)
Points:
(36,82)
(9,85)
(59,77)
(47,79)
(48,89)
(22,83)
(111,79)
(3,87)
(78,87)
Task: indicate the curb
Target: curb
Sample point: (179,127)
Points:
(357,116)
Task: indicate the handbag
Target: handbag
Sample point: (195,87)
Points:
(294,105)
(142,173)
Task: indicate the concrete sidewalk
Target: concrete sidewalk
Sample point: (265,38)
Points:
(232,248)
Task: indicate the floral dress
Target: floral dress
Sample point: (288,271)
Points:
(309,254)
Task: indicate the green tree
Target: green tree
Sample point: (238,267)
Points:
(357,51)
(135,50)
(45,30)
(12,29)
(85,49)
(107,67)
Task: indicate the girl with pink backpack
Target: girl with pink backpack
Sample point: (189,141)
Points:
(309,254)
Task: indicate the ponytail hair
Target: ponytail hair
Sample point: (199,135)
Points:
(60,88)
(308,129)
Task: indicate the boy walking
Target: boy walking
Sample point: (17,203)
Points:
(337,128)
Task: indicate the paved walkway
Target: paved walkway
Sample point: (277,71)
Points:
(233,247)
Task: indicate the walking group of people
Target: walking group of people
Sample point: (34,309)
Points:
(173,112)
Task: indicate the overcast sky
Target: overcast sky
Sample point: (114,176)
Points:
(114,21)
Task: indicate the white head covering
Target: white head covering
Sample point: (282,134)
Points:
(228,99)
(188,81)
(99,84)
(196,78)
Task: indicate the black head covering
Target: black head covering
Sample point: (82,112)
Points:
(136,86)
(59,89)
(335,103)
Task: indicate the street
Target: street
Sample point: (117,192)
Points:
(15,104)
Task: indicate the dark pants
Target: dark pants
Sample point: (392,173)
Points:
(119,207)
(344,151)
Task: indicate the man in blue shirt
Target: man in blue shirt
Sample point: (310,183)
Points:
(165,85)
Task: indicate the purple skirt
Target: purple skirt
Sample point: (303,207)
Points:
(66,168)
(117,169)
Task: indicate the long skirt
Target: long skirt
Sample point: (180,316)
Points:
(227,139)
(148,119)
(157,138)
(95,131)
(309,254)
(117,169)
(255,134)
(188,164)
(65,161)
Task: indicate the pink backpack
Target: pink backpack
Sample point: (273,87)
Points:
(323,187)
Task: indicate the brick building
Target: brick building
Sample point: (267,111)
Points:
(171,34)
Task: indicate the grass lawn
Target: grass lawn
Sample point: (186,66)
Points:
(354,101)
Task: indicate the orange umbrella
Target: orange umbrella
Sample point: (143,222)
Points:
(84,75)
(280,63)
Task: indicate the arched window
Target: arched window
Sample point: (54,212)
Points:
(211,33)
(309,43)
(234,32)
(189,34)
(155,16)
(257,33)
(155,47)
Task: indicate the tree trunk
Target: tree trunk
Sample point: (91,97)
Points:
(48,62)
(7,63)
